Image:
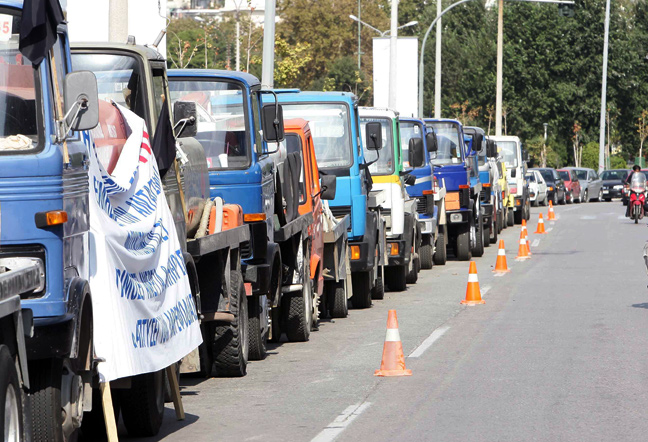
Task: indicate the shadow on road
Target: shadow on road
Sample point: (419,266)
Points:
(642,305)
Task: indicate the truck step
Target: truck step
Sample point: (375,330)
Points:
(292,288)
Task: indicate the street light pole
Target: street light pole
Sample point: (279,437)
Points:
(267,68)
(544,146)
(604,87)
(359,37)
(393,56)
(437,66)
(500,68)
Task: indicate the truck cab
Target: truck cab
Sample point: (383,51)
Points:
(457,168)
(380,130)
(426,190)
(334,124)
(515,159)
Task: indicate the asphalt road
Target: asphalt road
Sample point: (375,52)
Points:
(557,353)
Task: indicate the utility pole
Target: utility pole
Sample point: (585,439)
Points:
(544,146)
(359,38)
(393,56)
(604,87)
(267,68)
(238,41)
(118,21)
(437,66)
(500,63)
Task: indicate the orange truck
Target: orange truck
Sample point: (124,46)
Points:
(328,254)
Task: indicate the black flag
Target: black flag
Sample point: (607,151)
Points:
(164,141)
(38,28)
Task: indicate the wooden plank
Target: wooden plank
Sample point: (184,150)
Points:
(109,415)
(175,392)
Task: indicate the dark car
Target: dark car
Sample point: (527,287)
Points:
(613,181)
(555,185)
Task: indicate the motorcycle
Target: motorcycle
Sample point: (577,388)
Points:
(637,196)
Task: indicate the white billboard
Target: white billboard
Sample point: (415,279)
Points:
(406,74)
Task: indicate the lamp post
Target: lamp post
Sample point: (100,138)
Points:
(604,88)
(382,33)
(544,146)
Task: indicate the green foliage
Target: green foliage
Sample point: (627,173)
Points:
(591,155)
(617,162)
(343,75)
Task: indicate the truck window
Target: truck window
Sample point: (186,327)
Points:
(19,125)
(385,156)
(448,140)
(222,120)
(294,145)
(408,130)
(159,94)
(330,127)
(508,150)
(119,78)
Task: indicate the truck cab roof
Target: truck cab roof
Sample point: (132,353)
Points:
(249,79)
(146,52)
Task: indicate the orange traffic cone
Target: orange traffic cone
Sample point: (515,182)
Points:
(540,230)
(393,359)
(526,236)
(473,294)
(552,215)
(523,252)
(500,264)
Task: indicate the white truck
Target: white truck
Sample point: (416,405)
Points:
(515,158)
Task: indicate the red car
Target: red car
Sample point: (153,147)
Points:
(572,186)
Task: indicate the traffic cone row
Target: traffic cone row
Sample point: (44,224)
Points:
(523,250)
(473,294)
(552,215)
(526,237)
(393,359)
(540,230)
(500,264)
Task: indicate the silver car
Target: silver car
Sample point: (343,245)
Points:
(591,183)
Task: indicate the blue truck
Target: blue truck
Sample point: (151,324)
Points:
(334,121)
(426,190)
(456,166)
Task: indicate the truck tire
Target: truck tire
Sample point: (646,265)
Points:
(298,310)
(486,230)
(492,237)
(440,254)
(11,399)
(361,290)
(500,222)
(257,338)
(45,378)
(337,299)
(463,245)
(378,290)
(510,219)
(396,278)
(478,249)
(412,275)
(142,405)
(230,345)
(427,256)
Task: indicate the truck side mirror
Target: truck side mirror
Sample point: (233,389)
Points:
(373,135)
(432,142)
(328,183)
(525,156)
(416,152)
(491,149)
(477,141)
(80,92)
(185,117)
(273,123)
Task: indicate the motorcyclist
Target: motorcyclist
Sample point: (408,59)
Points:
(635,169)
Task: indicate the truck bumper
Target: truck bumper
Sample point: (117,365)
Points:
(259,276)
(427,225)
(458,216)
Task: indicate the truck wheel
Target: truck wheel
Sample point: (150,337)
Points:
(510,220)
(361,290)
(230,345)
(440,254)
(517,216)
(48,424)
(378,291)
(427,256)
(396,278)
(478,250)
(487,231)
(500,221)
(337,299)
(463,245)
(492,237)
(11,426)
(142,405)
(298,309)
(257,350)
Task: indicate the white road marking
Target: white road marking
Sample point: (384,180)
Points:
(436,334)
(498,275)
(536,242)
(549,229)
(588,217)
(484,291)
(335,428)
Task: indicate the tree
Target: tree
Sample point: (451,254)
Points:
(642,129)
(343,75)
(576,144)
(617,162)
(590,155)
(464,114)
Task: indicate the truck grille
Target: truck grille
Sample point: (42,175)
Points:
(421,205)
(246,250)
(484,195)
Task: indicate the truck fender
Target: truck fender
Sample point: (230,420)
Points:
(80,306)
(314,265)
(273,258)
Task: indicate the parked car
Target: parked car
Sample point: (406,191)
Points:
(591,183)
(613,181)
(572,185)
(555,185)
(537,188)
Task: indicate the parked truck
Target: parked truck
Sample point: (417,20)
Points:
(459,172)
(382,149)
(426,190)
(515,158)
(334,123)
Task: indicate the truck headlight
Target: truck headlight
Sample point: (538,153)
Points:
(456,217)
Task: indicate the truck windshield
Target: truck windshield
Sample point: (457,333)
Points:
(18,123)
(222,120)
(448,140)
(330,126)
(509,150)
(384,158)
(408,130)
